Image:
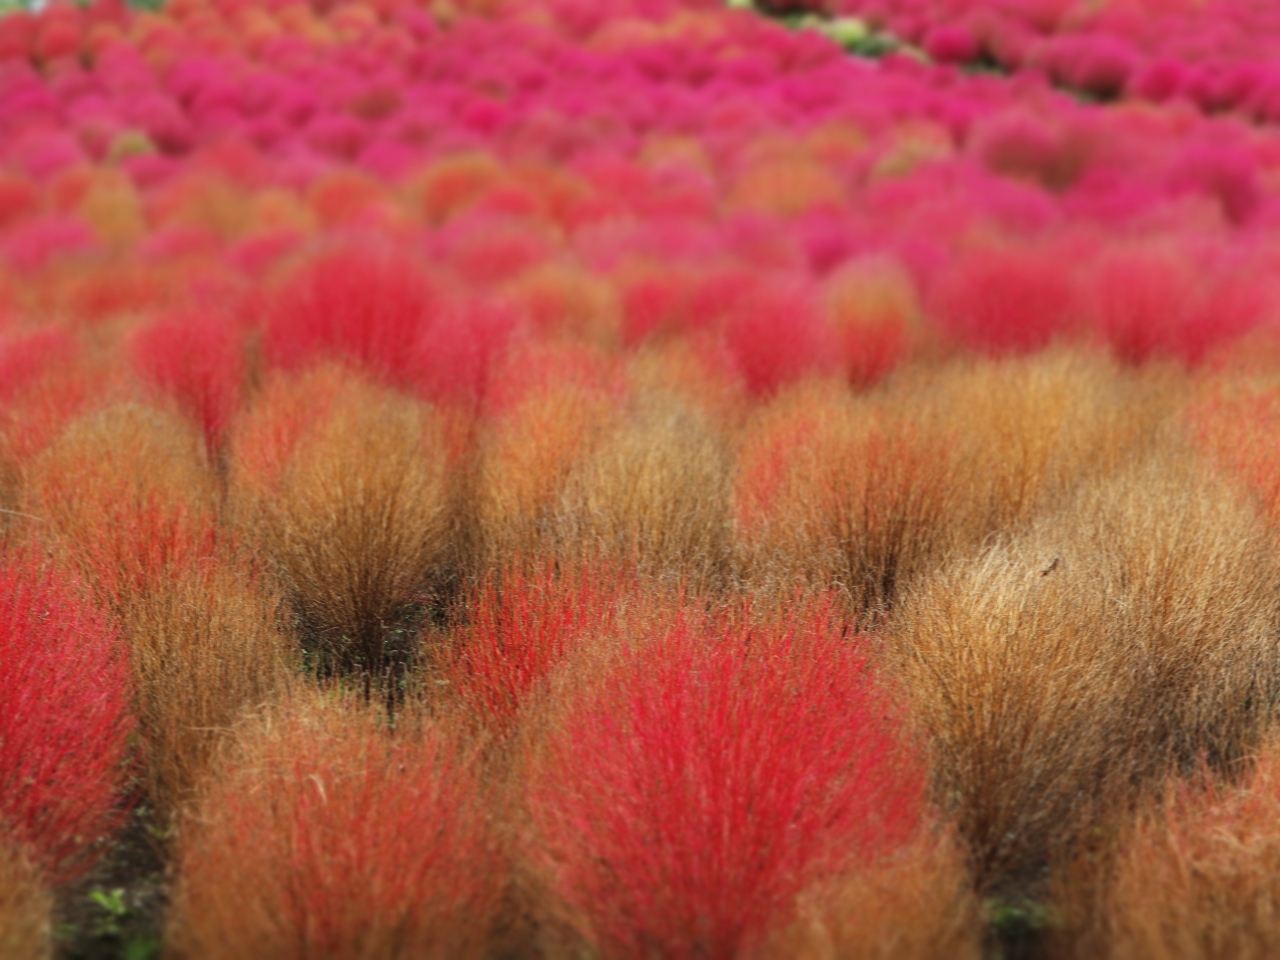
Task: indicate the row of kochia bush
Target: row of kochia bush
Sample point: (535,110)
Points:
(625,657)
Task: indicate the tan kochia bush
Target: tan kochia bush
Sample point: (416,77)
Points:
(330,835)
(345,485)
(653,493)
(837,491)
(127,496)
(695,370)
(559,407)
(26,908)
(1028,431)
(1194,878)
(1062,670)
(869,493)
(918,904)
(131,500)
(205,649)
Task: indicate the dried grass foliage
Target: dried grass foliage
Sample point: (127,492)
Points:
(346,488)
(26,907)
(130,500)
(1027,432)
(332,835)
(526,455)
(837,491)
(870,493)
(1064,670)
(654,493)
(918,903)
(206,648)
(1194,877)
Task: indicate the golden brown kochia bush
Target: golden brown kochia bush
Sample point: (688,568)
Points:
(205,649)
(696,370)
(654,493)
(918,904)
(346,488)
(26,908)
(1195,877)
(1061,671)
(331,834)
(870,493)
(126,496)
(837,491)
(548,408)
(1028,431)
(1235,422)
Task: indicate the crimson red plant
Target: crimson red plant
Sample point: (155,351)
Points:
(1005,301)
(355,307)
(64,720)
(195,358)
(778,335)
(457,353)
(684,797)
(25,359)
(521,625)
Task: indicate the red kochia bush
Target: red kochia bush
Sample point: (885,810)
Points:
(366,309)
(64,721)
(1004,301)
(683,798)
(524,623)
(197,359)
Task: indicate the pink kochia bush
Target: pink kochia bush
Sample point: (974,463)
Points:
(64,721)
(685,794)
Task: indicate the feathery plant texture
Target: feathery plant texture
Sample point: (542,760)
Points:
(1063,672)
(346,487)
(551,406)
(363,308)
(198,360)
(519,625)
(127,496)
(330,833)
(654,493)
(65,720)
(208,647)
(915,902)
(681,797)
(831,489)
(1191,876)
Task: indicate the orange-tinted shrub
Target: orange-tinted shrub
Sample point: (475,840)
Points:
(547,409)
(207,647)
(330,834)
(917,902)
(346,487)
(127,496)
(654,493)
(833,491)
(1192,877)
